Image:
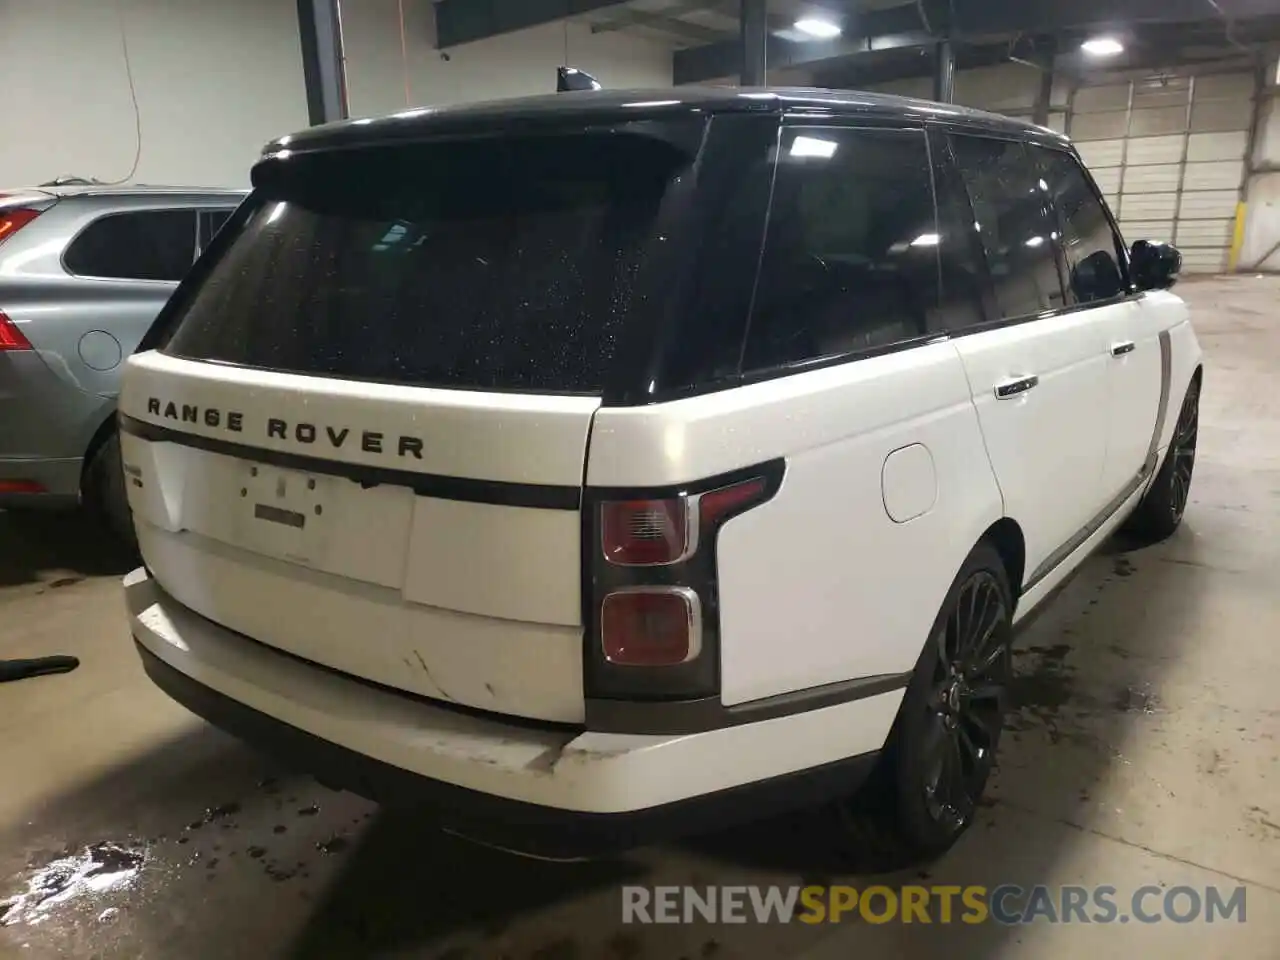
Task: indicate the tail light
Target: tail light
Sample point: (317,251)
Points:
(652,596)
(651,627)
(11,221)
(11,338)
(21,486)
(641,533)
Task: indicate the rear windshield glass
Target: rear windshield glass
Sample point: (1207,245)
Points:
(502,263)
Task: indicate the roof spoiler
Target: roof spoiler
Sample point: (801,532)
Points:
(571,78)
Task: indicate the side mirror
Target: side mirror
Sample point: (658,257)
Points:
(571,78)
(1155,265)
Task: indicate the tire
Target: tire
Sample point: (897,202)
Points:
(105,495)
(950,721)
(1161,509)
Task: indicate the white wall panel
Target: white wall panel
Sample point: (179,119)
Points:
(1100,153)
(1220,115)
(1143,150)
(1204,233)
(217,80)
(1174,148)
(1148,206)
(1107,178)
(1146,229)
(1097,99)
(1208,204)
(1153,178)
(1203,259)
(1214,175)
(1217,146)
(1098,126)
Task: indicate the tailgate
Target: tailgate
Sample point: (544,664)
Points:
(424,539)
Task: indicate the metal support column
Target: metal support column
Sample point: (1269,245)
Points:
(755,42)
(944,72)
(323,63)
(1044,93)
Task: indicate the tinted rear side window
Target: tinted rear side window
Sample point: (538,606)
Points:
(1090,244)
(141,245)
(850,257)
(211,222)
(497,263)
(1013,219)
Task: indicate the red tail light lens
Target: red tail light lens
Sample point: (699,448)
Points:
(652,595)
(11,338)
(21,486)
(717,504)
(11,221)
(651,627)
(644,533)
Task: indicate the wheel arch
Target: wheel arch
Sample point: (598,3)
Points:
(1006,536)
(100,436)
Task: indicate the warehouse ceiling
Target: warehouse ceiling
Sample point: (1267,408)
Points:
(887,39)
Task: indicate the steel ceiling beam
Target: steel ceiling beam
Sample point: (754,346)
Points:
(874,30)
(668,19)
(465,21)
(903,26)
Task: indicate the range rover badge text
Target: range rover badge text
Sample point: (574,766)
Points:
(305,434)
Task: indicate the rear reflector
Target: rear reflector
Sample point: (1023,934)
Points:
(11,221)
(21,486)
(651,627)
(11,338)
(644,533)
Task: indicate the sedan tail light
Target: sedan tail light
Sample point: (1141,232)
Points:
(11,221)
(11,338)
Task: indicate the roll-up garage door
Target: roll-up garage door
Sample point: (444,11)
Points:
(1169,153)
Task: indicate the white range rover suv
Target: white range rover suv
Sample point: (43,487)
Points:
(606,464)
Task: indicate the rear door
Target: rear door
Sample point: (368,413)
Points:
(362,440)
(1038,371)
(1097,282)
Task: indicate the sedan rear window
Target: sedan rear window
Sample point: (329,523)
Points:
(503,263)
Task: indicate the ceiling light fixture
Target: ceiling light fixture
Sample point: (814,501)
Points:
(821,29)
(1102,46)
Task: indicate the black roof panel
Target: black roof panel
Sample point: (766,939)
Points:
(612,105)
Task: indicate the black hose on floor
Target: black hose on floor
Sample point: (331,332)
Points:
(39,667)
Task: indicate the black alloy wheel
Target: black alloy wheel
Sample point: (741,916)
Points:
(1182,452)
(965,709)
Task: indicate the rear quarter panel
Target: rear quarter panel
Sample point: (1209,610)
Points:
(820,584)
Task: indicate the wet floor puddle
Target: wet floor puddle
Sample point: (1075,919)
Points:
(98,869)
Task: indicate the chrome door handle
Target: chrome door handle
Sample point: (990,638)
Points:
(1125,346)
(1015,387)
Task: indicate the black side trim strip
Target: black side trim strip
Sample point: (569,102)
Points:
(1093,526)
(708,713)
(500,492)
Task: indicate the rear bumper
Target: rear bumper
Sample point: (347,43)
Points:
(59,482)
(520,785)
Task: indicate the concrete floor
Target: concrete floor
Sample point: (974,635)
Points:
(1145,751)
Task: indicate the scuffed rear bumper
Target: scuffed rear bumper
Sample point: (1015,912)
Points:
(527,786)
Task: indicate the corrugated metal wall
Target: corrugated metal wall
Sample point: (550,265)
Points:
(1169,153)
(1170,156)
